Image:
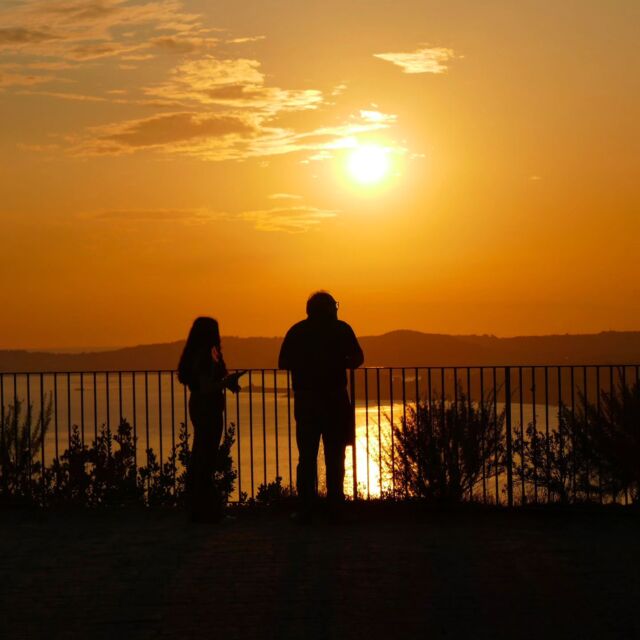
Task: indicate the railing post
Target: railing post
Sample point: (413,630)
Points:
(354,461)
(507,414)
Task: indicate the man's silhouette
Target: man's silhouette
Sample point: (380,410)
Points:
(318,351)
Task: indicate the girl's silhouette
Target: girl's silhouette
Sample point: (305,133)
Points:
(203,370)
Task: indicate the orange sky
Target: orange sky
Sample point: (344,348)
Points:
(165,159)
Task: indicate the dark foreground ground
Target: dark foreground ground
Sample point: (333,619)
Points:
(393,573)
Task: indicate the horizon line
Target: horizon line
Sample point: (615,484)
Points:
(72,350)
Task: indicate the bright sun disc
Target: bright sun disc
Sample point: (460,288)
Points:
(368,164)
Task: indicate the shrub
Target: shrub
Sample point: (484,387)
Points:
(444,449)
(103,472)
(21,438)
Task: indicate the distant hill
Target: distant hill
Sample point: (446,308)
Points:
(397,348)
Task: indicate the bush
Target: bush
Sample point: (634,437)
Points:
(444,449)
(594,453)
(21,438)
(103,472)
(273,492)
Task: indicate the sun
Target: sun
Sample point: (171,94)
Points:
(368,164)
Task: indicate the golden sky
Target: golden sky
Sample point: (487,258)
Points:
(164,159)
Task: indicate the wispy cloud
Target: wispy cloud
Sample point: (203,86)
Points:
(377,116)
(183,44)
(87,29)
(217,136)
(158,215)
(289,219)
(21,35)
(237,83)
(22,80)
(166,131)
(284,196)
(295,219)
(425,60)
(245,40)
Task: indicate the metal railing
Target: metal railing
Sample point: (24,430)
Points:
(528,406)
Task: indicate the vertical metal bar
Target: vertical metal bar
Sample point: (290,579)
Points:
(546,432)
(404,423)
(495,433)
(264,429)
(275,419)
(42,437)
(15,420)
(108,400)
(146,413)
(238,425)
(173,424)
(483,421)
(366,414)
(418,424)
(379,430)
(560,420)
(507,411)
(160,448)
(82,407)
(69,405)
(2,430)
(95,406)
(535,435)
(573,431)
(623,396)
(55,410)
(443,415)
(456,424)
(28,425)
(224,413)
(469,417)
(289,428)
(354,456)
(393,460)
(600,496)
(612,393)
(119,397)
(135,420)
(523,488)
(586,428)
(251,432)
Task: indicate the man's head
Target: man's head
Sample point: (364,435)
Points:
(321,305)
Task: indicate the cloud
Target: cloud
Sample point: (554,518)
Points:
(22,80)
(23,35)
(62,95)
(166,131)
(294,219)
(237,83)
(377,116)
(284,196)
(94,51)
(245,40)
(426,60)
(187,215)
(38,148)
(180,44)
(87,29)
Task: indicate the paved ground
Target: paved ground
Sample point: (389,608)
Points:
(390,574)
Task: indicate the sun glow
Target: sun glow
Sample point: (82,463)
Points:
(368,164)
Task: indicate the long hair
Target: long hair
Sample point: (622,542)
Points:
(204,336)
